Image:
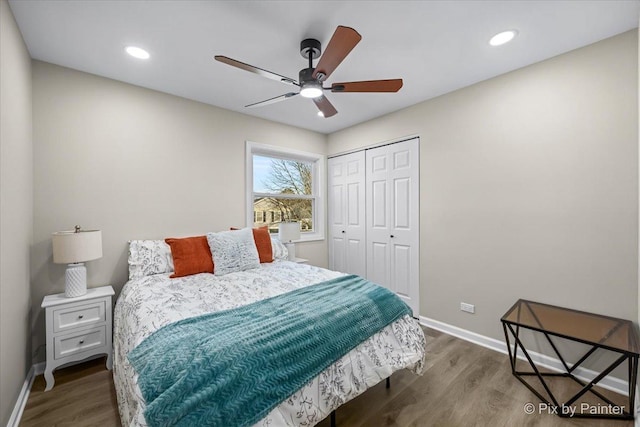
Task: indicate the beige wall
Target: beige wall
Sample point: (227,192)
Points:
(529,187)
(137,164)
(16,215)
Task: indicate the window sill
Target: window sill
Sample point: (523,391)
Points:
(315,238)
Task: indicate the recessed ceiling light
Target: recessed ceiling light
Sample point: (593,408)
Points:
(503,37)
(137,52)
(320,114)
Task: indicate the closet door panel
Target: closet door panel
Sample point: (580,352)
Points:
(354,198)
(347,227)
(393,204)
(379,202)
(378,161)
(401,260)
(336,176)
(356,227)
(337,252)
(378,256)
(402,204)
(356,264)
(337,207)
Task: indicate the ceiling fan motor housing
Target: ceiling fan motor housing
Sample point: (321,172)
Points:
(310,48)
(305,76)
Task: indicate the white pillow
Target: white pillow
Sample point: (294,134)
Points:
(233,251)
(147,257)
(279,250)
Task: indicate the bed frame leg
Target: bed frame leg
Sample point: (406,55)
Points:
(388,382)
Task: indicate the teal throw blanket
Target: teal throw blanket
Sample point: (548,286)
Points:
(231,368)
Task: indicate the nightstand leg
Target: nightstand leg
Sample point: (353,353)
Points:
(110,360)
(48,376)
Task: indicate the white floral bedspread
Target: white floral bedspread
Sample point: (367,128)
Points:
(148,303)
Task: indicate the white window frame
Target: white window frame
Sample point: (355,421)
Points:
(318,183)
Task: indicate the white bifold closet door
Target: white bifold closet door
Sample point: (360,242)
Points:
(346,187)
(392,217)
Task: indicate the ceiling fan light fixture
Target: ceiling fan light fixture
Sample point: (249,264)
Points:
(137,52)
(311,90)
(503,37)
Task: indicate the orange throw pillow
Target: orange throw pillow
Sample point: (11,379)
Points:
(191,255)
(262,240)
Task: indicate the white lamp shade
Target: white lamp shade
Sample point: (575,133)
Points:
(72,247)
(289,231)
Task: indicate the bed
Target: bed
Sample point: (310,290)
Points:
(152,300)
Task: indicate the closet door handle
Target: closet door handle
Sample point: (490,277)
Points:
(392,236)
(342,231)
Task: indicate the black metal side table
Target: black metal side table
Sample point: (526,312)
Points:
(600,332)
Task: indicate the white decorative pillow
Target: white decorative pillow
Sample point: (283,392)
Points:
(233,251)
(147,257)
(279,250)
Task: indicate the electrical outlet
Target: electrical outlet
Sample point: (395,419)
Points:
(469,308)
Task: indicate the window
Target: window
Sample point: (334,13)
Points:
(285,185)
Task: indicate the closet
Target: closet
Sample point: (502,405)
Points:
(373,216)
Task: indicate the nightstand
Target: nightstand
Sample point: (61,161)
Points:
(77,328)
(301,260)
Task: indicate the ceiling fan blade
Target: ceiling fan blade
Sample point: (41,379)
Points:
(272,100)
(256,70)
(344,39)
(325,106)
(392,85)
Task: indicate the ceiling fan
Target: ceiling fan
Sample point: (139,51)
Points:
(310,79)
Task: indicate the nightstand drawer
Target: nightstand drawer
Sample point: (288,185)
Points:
(67,345)
(78,316)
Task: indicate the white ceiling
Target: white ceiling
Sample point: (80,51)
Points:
(435,46)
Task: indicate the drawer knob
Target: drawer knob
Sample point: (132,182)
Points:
(80,317)
(81,341)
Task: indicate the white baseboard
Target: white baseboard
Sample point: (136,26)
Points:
(18,409)
(38,368)
(610,383)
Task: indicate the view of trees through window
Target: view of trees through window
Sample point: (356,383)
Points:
(283,191)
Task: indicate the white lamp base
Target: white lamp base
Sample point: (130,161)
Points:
(291,248)
(75,280)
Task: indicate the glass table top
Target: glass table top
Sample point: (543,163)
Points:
(618,334)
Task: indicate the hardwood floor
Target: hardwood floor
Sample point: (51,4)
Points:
(83,395)
(463,385)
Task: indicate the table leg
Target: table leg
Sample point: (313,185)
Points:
(48,376)
(535,369)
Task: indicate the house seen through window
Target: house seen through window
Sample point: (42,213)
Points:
(283,191)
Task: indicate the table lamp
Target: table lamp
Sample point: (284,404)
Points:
(75,247)
(288,232)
